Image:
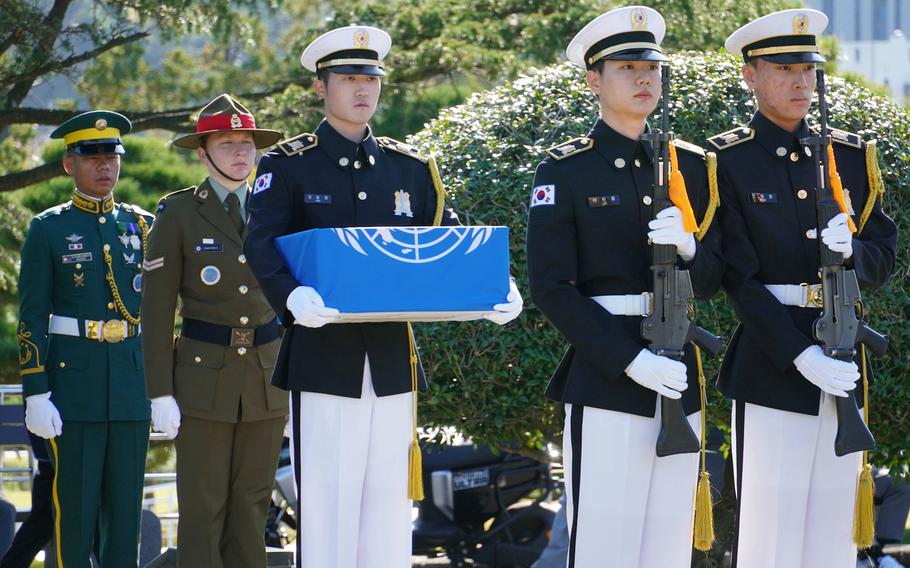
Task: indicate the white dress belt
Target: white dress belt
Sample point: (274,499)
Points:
(626,304)
(802,295)
(65,325)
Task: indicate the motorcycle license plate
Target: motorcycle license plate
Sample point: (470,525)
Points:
(470,479)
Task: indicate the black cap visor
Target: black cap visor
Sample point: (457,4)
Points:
(636,55)
(96,147)
(794,58)
(371,70)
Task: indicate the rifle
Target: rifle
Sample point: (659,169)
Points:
(839,326)
(671,323)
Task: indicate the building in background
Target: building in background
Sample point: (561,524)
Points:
(872,41)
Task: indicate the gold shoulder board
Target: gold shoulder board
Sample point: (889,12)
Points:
(689,147)
(298,144)
(731,138)
(847,138)
(570,148)
(387,143)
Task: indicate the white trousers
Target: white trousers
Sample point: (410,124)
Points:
(350,461)
(795,497)
(626,507)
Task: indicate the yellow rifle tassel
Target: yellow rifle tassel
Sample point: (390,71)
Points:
(864,510)
(415,458)
(704,503)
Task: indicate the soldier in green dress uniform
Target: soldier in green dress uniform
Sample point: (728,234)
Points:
(212,384)
(79,351)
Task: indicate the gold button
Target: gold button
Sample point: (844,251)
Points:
(197,359)
(139,266)
(372,160)
(241,259)
(781,151)
(362,195)
(802,194)
(637,163)
(794,157)
(357,164)
(646,200)
(619,163)
(241,351)
(107,248)
(110,305)
(243,289)
(244,320)
(343,162)
(78,265)
(62,364)
(102,220)
(810,234)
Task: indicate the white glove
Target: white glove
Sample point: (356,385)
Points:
(504,313)
(832,376)
(308,308)
(667,229)
(838,237)
(166,416)
(665,376)
(287,428)
(41,416)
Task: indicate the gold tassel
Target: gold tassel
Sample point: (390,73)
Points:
(440,191)
(864,509)
(713,196)
(704,502)
(415,458)
(876,184)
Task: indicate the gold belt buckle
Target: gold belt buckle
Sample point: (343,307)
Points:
(112,331)
(92,331)
(242,337)
(814,296)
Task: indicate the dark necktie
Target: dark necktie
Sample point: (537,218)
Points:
(233,211)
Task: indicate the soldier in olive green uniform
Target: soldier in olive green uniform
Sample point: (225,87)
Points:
(212,384)
(79,350)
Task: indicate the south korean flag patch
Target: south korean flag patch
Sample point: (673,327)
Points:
(262,183)
(543,195)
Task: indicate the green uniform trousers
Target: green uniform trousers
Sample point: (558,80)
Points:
(98,480)
(225,477)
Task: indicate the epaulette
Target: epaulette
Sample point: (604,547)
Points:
(298,144)
(731,138)
(570,148)
(387,143)
(135,210)
(847,138)
(689,147)
(179,192)
(55,210)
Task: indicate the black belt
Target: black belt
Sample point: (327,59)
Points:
(230,336)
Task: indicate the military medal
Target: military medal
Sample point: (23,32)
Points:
(210,275)
(135,242)
(124,239)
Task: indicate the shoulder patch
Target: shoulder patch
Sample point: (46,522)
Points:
(689,147)
(387,143)
(570,148)
(731,138)
(298,144)
(847,138)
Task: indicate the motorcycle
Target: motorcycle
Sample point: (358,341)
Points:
(482,509)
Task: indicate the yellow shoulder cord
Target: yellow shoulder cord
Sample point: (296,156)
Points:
(440,191)
(415,459)
(112,282)
(704,503)
(713,196)
(864,510)
(876,185)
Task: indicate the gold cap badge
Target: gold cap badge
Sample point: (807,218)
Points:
(100,124)
(639,19)
(800,24)
(361,39)
(235,121)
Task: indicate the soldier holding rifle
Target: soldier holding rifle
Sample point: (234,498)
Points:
(602,236)
(795,209)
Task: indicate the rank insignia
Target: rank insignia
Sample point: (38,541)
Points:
(79,279)
(570,148)
(151,264)
(129,258)
(403,203)
(74,238)
(210,275)
(543,195)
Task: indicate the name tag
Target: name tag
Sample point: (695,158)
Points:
(317,198)
(79,257)
(603,201)
(208,246)
(763,198)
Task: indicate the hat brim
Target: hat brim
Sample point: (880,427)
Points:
(262,137)
(636,55)
(792,58)
(371,70)
(97,147)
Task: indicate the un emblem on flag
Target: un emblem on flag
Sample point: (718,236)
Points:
(414,245)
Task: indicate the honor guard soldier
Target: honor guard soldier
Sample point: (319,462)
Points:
(795,495)
(590,227)
(212,384)
(351,399)
(79,350)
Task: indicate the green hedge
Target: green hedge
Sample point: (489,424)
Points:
(489,381)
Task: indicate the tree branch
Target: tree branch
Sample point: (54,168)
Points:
(44,172)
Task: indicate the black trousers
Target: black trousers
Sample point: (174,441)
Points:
(37,530)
